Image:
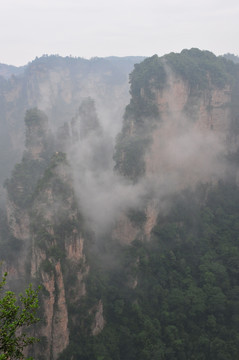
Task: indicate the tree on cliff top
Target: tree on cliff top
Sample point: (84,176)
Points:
(16,314)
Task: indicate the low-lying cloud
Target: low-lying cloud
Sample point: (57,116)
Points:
(180,155)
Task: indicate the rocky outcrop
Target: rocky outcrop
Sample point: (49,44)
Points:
(99,321)
(50,227)
(55,327)
(205,118)
(57,255)
(181,122)
(151,213)
(124,231)
(18,221)
(56,86)
(209,108)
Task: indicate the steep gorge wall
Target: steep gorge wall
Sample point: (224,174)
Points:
(180,125)
(201,115)
(52,254)
(172,134)
(48,233)
(57,86)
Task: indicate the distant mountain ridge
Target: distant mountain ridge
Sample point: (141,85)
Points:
(7,71)
(232,57)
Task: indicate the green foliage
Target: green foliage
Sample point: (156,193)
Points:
(34,116)
(200,68)
(129,155)
(232,57)
(177,296)
(36,127)
(137,217)
(47,266)
(140,109)
(16,315)
(10,245)
(21,185)
(50,176)
(147,75)
(28,172)
(42,237)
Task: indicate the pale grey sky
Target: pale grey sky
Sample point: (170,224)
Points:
(88,28)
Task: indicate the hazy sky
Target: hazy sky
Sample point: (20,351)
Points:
(88,28)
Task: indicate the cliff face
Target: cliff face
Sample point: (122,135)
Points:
(44,219)
(57,86)
(181,123)
(52,232)
(57,244)
(194,130)
(208,108)
(203,116)
(180,127)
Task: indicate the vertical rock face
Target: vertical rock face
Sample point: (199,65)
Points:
(209,109)
(86,121)
(43,215)
(177,129)
(21,185)
(99,321)
(56,86)
(151,218)
(205,117)
(172,99)
(36,133)
(55,312)
(57,253)
(181,121)
(124,230)
(18,221)
(189,126)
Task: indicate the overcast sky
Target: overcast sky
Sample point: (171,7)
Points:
(88,28)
